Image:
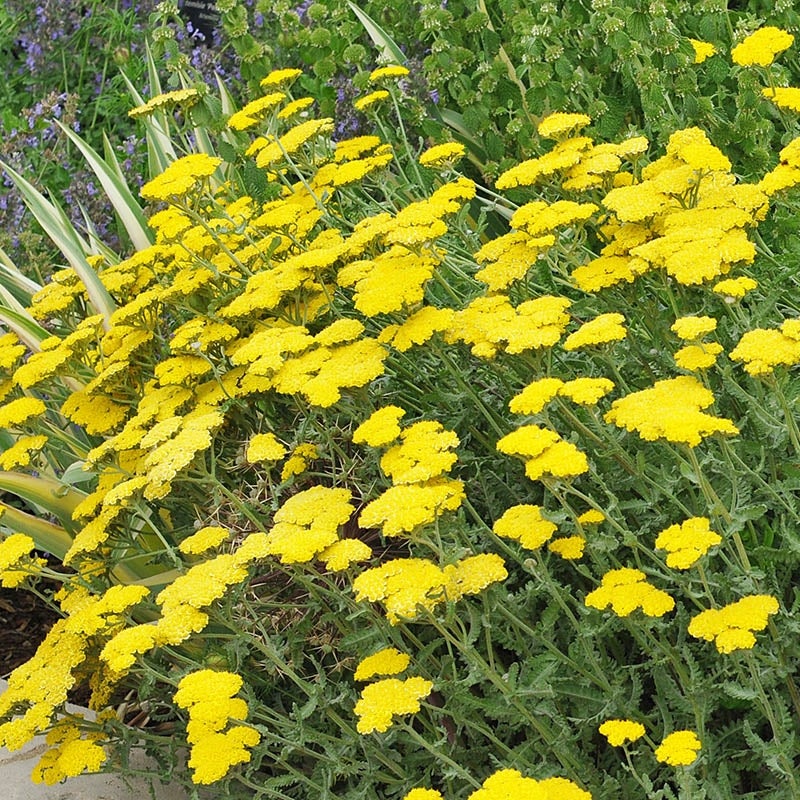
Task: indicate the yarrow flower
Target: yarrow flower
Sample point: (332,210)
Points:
(371,99)
(687,542)
(627,589)
(763,349)
(203,540)
(671,409)
(280,78)
(600,330)
(180,177)
(731,627)
(383,700)
(525,524)
(693,357)
(380,428)
(570,548)
(559,123)
(784,96)
(389,661)
(264,447)
(216,744)
(441,155)
(691,328)
(510,783)
(760,48)
(735,288)
(390,71)
(423,794)
(619,731)
(702,50)
(592,517)
(545,453)
(679,749)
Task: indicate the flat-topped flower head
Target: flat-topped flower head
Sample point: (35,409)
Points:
(627,589)
(620,731)
(602,329)
(694,357)
(389,661)
(380,428)
(687,542)
(679,749)
(733,289)
(763,349)
(784,96)
(371,99)
(525,524)
(570,548)
(556,125)
(731,627)
(760,48)
(702,50)
(442,155)
(691,328)
(510,784)
(280,78)
(389,71)
(180,177)
(383,700)
(672,410)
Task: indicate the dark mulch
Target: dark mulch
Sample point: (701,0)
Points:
(24,622)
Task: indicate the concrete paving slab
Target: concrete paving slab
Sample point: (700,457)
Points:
(16,784)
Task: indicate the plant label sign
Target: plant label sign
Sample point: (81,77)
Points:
(203,16)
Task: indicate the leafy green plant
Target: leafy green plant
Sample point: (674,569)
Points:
(402,486)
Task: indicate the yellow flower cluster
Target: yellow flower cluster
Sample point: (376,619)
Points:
(525,524)
(545,453)
(702,50)
(389,661)
(308,523)
(627,589)
(70,754)
(216,744)
(404,585)
(731,627)
(619,731)
(510,783)
(417,466)
(16,563)
(671,409)
(763,349)
(181,177)
(264,447)
(688,542)
(491,323)
(38,689)
(679,749)
(205,539)
(380,428)
(442,155)
(760,48)
(600,330)
(686,215)
(577,161)
(383,700)
(185,97)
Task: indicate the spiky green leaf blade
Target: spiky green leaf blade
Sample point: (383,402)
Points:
(50,494)
(63,234)
(49,538)
(379,36)
(29,331)
(160,152)
(117,191)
